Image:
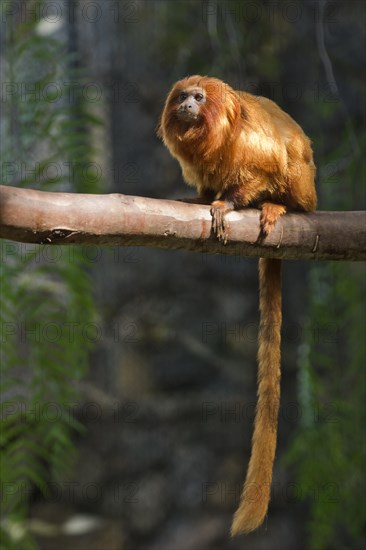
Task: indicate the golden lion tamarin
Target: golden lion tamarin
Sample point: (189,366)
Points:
(241,150)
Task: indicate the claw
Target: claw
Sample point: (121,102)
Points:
(269,215)
(219,224)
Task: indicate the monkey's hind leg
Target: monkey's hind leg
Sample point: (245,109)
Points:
(270,212)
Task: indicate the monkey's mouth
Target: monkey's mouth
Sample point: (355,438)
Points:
(186,116)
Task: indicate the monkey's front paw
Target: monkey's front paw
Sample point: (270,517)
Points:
(219,224)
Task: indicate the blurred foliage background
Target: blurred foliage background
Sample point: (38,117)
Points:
(128,375)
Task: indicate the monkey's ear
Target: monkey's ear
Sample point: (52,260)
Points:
(243,113)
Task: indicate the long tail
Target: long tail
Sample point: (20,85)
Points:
(257,487)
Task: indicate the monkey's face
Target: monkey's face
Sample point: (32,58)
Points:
(189,103)
(199,116)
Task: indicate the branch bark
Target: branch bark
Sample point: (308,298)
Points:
(41,217)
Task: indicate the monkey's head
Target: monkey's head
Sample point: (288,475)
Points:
(189,103)
(200,111)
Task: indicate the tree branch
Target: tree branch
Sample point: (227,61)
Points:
(30,216)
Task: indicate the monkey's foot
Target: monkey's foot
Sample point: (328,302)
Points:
(269,215)
(219,224)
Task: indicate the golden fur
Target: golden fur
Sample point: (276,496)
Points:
(244,139)
(240,150)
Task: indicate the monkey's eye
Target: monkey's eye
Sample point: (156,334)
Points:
(198,97)
(183,96)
